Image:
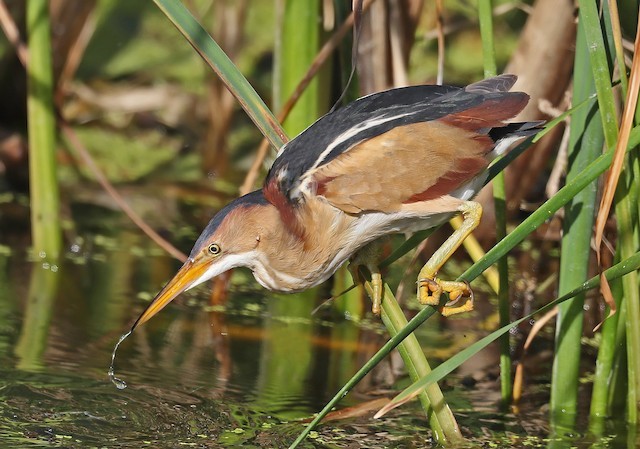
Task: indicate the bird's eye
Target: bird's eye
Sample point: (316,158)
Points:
(214,249)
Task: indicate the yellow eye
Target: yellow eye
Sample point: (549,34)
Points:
(214,249)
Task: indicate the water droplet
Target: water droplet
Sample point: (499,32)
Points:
(42,255)
(54,268)
(119,383)
(75,248)
(45,265)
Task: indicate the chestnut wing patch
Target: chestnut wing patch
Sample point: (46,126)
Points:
(416,162)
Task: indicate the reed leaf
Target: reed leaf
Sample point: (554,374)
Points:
(615,272)
(216,58)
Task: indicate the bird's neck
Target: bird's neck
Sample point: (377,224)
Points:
(291,262)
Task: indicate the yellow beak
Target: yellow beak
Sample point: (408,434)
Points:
(186,277)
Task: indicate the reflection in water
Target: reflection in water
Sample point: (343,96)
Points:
(37,316)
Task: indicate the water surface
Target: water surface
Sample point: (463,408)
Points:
(241,374)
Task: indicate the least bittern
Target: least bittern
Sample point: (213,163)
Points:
(392,162)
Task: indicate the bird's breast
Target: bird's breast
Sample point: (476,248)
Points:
(277,276)
(289,264)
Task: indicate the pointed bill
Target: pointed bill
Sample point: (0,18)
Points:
(188,276)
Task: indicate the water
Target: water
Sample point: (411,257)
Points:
(238,375)
(119,383)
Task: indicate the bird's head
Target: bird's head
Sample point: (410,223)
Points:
(229,241)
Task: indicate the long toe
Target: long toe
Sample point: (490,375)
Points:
(429,291)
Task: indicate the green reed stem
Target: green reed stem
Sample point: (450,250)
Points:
(45,200)
(403,332)
(485,13)
(585,144)
(631,295)
(626,241)
(607,352)
(612,334)
(485,16)
(299,40)
(441,419)
(499,200)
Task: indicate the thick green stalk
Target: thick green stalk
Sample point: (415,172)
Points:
(485,16)
(585,145)
(607,353)
(485,13)
(286,366)
(441,420)
(45,201)
(624,207)
(299,40)
(627,245)
(499,200)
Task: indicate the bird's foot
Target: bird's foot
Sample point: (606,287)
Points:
(376,294)
(430,288)
(367,258)
(460,295)
(376,284)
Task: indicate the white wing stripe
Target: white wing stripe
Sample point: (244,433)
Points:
(354,131)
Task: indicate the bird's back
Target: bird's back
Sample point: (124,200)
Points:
(399,146)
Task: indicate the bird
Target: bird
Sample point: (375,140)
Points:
(396,161)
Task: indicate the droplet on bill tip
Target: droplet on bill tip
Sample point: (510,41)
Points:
(119,383)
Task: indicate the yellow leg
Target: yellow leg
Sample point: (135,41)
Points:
(430,288)
(365,258)
(376,295)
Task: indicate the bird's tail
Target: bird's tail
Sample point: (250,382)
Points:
(505,136)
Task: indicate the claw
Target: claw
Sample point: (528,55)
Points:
(430,290)
(429,287)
